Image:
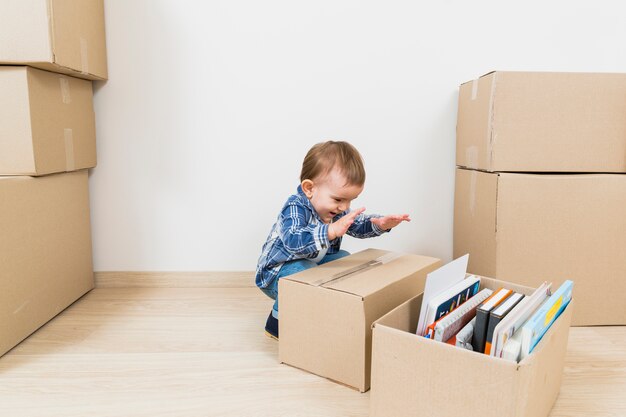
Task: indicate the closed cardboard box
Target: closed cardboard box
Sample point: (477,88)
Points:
(48,122)
(326,312)
(543,122)
(65,36)
(416,376)
(45,250)
(530,228)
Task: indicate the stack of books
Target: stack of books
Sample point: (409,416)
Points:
(501,323)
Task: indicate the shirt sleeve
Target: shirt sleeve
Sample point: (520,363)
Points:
(363,227)
(298,234)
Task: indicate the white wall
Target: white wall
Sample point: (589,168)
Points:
(211,106)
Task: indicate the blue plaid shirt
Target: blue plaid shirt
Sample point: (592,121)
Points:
(299,233)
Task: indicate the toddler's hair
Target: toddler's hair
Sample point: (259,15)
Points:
(325,156)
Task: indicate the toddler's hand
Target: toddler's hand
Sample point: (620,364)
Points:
(341,226)
(390,221)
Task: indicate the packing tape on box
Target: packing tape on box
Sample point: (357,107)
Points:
(66,96)
(69,149)
(474,88)
(84,57)
(348,273)
(471,156)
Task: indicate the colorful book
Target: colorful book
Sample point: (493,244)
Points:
(534,329)
(451,298)
(517,317)
(482,318)
(448,326)
(496,316)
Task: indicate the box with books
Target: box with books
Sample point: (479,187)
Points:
(417,375)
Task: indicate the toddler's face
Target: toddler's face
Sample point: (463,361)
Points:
(330,195)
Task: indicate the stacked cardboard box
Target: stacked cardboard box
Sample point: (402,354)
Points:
(540,184)
(47,143)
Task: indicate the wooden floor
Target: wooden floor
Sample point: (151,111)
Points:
(202,352)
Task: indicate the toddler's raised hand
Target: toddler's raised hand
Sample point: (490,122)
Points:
(390,221)
(341,226)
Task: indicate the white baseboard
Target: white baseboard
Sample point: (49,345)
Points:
(213,279)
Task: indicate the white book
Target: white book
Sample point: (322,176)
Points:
(512,348)
(437,281)
(517,317)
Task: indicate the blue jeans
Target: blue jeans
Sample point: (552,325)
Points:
(292,267)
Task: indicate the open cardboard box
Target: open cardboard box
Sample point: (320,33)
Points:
(326,312)
(413,375)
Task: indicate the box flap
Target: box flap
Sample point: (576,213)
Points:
(328,271)
(363,273)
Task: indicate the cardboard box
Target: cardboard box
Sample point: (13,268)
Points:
(415,376)
(530,228)
(326,312)
(65,36)
(48,123)
(543,122)
(45,250)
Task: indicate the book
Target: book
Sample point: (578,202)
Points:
(534,329)
(451,298)
(482,318)
(512,348)
(436,282)
(449,325)
(517,317)
(497,314)
(463,338)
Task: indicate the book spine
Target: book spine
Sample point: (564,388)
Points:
(480,330)
(493,322)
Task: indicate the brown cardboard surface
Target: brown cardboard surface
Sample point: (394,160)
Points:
(325,323)
(45,250)
(49,125)
(551,228)
(412,375)
(64,36)
(543,122)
